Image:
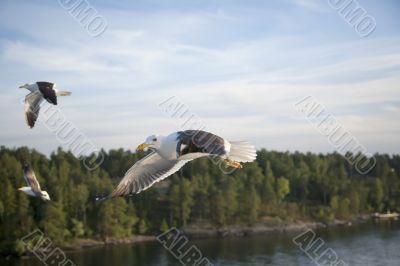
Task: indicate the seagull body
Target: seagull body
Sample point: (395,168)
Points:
(40,90)
(33,188)
(170,153)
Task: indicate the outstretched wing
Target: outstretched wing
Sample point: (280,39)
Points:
(144,173)
(32,107)
(48,91)
(31,180)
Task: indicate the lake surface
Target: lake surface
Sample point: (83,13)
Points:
(372,244)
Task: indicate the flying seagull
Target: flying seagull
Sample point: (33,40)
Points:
(39,91)
(170,153)
(33,188)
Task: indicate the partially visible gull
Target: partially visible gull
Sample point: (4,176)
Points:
(40,90)
(170,153)
(33,188)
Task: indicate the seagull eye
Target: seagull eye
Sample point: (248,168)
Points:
(155,139)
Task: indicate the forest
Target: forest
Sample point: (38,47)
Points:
(287,186)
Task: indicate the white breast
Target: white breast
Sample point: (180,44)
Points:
(167,149)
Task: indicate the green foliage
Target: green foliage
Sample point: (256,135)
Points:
(181,199)
(344,208)
(142,227)
(252,206)
(19,247)
(282,188)
(377,194)
(277,188)
(164,226)
(54,222)
(77,228)
(335,203)
(116,218)
(323,214)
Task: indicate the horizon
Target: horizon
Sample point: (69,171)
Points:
(132,151)
(240,68)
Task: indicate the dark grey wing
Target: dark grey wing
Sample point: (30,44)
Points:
(193,141)
(144,173)
(31,180)
(32,107)
(48,91)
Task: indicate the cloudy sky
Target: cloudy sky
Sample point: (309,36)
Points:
(238,66)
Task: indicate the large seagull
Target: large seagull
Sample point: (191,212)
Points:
(170,153)
(40,90)
(33,188)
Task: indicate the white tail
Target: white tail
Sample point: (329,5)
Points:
(242,151)
(63,93)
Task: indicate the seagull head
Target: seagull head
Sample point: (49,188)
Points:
(44,195)
(25,86)
(152,142)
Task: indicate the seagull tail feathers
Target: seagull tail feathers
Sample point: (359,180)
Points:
(63,93)
(242,151)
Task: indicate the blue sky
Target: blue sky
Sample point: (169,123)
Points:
(240,66)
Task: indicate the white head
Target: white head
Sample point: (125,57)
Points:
(25,86)
(152,142)
(44,195)
(31,87)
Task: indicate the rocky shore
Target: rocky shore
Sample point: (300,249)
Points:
(265,228)
(86,243)
(201,231)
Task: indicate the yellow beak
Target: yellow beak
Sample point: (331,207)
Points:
(142,146)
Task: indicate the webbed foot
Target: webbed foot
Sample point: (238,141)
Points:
(233,164)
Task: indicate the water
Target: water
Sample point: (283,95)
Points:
(375,244)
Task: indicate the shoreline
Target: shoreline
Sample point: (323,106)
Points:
(84,243)
(264,229)
(199,232)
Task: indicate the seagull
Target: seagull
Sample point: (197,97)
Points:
(33,188)
(39,91)
(170,153)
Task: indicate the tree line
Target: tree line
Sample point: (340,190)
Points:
(282,186)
